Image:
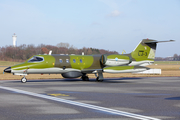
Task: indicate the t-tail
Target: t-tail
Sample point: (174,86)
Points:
(144,53)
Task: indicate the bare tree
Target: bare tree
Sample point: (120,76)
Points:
(89,51)
(44,50)
(23,52)
(176,57)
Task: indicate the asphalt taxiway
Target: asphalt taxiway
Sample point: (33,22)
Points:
(150,98)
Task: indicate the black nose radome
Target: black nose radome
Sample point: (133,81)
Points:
(7,70)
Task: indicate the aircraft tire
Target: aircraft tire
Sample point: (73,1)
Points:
(85,78)
(23,80)
(97,79)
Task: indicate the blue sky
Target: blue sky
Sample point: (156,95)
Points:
(105,24)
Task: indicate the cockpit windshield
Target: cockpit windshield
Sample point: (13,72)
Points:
(36,59)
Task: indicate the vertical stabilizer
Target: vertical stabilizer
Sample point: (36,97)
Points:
(144,53)
(145,50)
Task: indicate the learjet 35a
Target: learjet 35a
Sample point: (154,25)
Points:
(74,66)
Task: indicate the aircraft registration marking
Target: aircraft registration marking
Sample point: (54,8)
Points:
(142,53)
(94,107)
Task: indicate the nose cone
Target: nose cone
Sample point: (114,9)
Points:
(7,70)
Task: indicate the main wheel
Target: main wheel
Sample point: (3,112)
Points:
(98,80)
(85,78)
(23,80)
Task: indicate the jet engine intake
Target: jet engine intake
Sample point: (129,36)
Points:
(115,60)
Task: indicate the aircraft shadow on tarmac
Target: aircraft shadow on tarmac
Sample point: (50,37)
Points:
(106,80)
(173,98)
(120,80)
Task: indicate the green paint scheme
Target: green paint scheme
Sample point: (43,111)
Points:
(64,59)
(81,62)
(144,51)
(114,56)
(21,66)
(96,63)
(47,63)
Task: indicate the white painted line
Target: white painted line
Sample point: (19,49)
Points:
(103,109)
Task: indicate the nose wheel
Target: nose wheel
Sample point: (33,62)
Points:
(24,80)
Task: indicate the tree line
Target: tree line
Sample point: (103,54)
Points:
(175,57)
(24,52)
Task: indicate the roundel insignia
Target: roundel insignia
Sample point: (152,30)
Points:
(116,59)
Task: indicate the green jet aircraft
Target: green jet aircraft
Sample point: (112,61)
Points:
(74,66)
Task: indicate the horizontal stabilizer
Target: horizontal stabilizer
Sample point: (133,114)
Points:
(155,41)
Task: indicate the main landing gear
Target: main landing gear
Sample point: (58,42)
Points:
(99,77)
(24,80)
(85,78)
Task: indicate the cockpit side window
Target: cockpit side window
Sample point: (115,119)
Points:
(36,59)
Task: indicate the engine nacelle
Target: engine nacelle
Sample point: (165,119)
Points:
(124,69)
(72,74)
(115,60)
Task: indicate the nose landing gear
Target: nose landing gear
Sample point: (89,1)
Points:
(24,80)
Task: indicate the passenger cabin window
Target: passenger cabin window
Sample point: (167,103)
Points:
(36,59)
(74,60)
(67,60)
(80,60)
(60,60)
